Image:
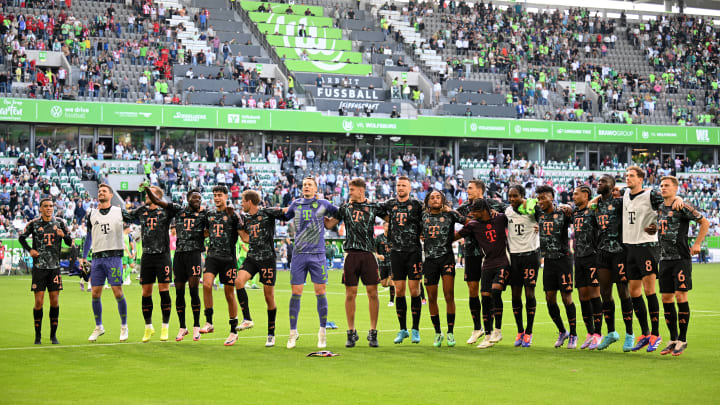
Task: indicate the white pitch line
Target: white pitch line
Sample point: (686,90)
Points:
(41,347)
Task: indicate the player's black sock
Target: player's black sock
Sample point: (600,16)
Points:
(626,306)
(487,313)
(401,311)
(597,314)
(195,304)
(683,320)
(208,315)
(554,311)
(475,312)
(416,310)
(608,308)
(243,302)
(436,322)
(147,308)
(654,311)
(671,320)
(530,306)
(497,307)
(392,293)
(571,313)
(586,311)
(271,321)
(517,312)
(54,315)
(165,306)
(233,325)
(638,304)
(451,322)
(180,305)
(422,292)
(38,316)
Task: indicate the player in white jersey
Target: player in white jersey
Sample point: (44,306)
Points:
(105,235)
(640,215)
(524,246)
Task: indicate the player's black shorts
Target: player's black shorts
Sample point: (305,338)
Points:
(187,265)
(614,262)
(433,269)
(473,268)
(155,266)
(558,275)
(225,268)
(641,261)
(406,265)
(675,275)
(266,268)
(385,272)
(524,268)
(496,275)
(360,265)
(49,279)
(586,271)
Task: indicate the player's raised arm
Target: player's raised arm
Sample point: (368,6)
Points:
(153,198)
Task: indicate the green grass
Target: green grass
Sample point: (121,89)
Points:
(203,372)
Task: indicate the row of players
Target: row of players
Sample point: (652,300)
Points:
(617,239)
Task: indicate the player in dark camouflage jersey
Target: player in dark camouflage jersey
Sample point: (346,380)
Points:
(438,234)
(258,230)
(586,278)
(610,261)
(190,226)
(676,262)
(47,234)
(382,253)
(223,229)
(359,216)
(558,271)
(155,263)
(473,262)
(404,214)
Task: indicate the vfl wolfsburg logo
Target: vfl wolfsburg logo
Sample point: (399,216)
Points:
(517,129)
(347,125)
(645,135)
(314,205)
(56,111)
(473,127)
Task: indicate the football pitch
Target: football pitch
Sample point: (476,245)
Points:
(203,372)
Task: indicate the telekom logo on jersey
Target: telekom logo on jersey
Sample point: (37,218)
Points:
(491,235)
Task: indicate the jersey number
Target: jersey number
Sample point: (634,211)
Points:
(268,273)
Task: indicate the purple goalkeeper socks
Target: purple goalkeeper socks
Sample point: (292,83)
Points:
(294,310)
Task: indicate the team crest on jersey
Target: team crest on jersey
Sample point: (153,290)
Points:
(259,218)
(409,207)
(488,226)
(315,205)
(366,209)
(670,214)
(395,208)
(225,218)
(442,219)
(611,207)
(555,216)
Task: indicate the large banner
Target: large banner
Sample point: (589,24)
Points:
(281,8)
(320,54)
(328,67)
(151,115)
(309,42)
(348,93)
(293,30)
(291,19)
(351,106)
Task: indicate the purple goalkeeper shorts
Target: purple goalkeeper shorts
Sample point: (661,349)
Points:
(303,263)
(109,268)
